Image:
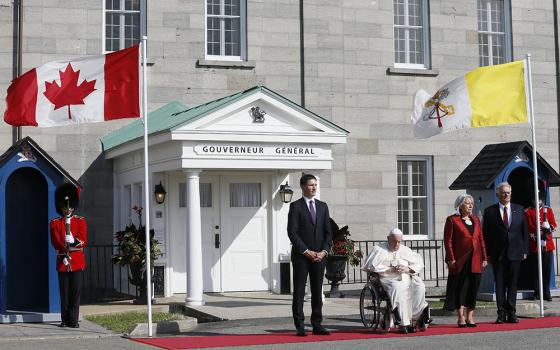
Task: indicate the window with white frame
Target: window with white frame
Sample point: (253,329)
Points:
(411,33)
(205,195)
(127,205)
(415,196)
(225,29)
(494,32)
(122,24)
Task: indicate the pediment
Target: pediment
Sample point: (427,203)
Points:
(260,113)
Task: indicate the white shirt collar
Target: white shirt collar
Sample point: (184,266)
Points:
(307,200)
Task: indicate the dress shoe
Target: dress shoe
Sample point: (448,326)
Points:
(321,331)
(500,320)
(411,329)
(62,324)
(76,325)
(403,330)
(512,319)
(472,325)
(548,298)
(300,332)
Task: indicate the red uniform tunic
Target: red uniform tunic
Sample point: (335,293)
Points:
(78,228)
(459,243)
(530,217)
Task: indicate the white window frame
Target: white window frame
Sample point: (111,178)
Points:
(425,37)
(429,217)
(126,205)
(242,33)
(506,33)
(138,200)
(121,28)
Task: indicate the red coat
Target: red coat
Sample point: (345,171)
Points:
(459,244)
(531,219)
(78,228)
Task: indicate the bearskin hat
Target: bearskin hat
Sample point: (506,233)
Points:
(66,195)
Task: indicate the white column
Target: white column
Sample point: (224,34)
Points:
(194,240)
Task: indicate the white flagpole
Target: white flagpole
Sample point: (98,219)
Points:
(535,179)
(146,184)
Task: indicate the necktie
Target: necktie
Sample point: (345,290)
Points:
(313,213)
(506,218)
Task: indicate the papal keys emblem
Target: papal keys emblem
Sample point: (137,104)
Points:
(436,109)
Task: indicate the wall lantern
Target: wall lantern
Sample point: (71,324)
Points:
(286,193)
(160,193)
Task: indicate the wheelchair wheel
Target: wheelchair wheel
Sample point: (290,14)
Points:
(368,308)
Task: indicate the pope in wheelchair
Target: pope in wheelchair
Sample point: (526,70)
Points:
(394,268)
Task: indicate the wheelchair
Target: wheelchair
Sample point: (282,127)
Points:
(375,305)
(376,310)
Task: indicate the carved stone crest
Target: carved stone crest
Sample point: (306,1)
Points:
(258,114)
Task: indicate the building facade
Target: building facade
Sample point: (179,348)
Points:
(354,63)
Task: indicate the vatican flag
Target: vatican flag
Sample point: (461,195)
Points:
(486,96)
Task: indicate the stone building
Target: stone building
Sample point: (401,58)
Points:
(354,63)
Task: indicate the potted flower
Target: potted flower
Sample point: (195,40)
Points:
(132,252)
(342,251)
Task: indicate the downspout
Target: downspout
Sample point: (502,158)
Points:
(556,62)
(16,54)
(301,55)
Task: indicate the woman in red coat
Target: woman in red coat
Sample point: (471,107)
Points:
(465,257)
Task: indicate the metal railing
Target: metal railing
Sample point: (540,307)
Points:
(433,253)
(104,281)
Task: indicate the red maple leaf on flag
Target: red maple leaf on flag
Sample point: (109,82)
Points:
(69,92)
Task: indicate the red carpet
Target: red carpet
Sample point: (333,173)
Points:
(216,341)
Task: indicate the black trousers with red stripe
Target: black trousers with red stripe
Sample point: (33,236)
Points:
(70,286)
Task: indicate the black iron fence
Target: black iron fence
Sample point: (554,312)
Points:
(104,281)
(433,253)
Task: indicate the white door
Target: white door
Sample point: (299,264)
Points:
(244,232)
(210,216)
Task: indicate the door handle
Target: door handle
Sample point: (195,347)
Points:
(217,240)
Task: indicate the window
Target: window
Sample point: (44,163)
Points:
(122,24)
(411,33)
(245,195)
(127,205)
(414,194)
(494,32)
(225,29)
(205,195)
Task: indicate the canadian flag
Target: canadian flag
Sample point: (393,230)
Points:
(83,90)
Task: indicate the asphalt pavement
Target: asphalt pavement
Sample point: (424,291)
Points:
(246,313)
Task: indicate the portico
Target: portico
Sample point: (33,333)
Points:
(223,225)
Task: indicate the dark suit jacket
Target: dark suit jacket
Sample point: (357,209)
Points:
(301,231)
(498,238)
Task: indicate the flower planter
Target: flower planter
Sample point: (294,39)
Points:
(336,272)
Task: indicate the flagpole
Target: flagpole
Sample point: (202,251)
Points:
(535,181)
(146,184)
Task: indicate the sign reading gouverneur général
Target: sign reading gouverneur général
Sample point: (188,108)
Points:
(257,150)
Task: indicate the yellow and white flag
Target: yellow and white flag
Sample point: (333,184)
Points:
(486,96)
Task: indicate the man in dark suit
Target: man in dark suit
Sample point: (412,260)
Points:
(507,244)
(309,231)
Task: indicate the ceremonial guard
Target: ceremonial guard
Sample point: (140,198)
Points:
(69,237)
(543,241)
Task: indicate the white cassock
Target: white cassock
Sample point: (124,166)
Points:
(407,291)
